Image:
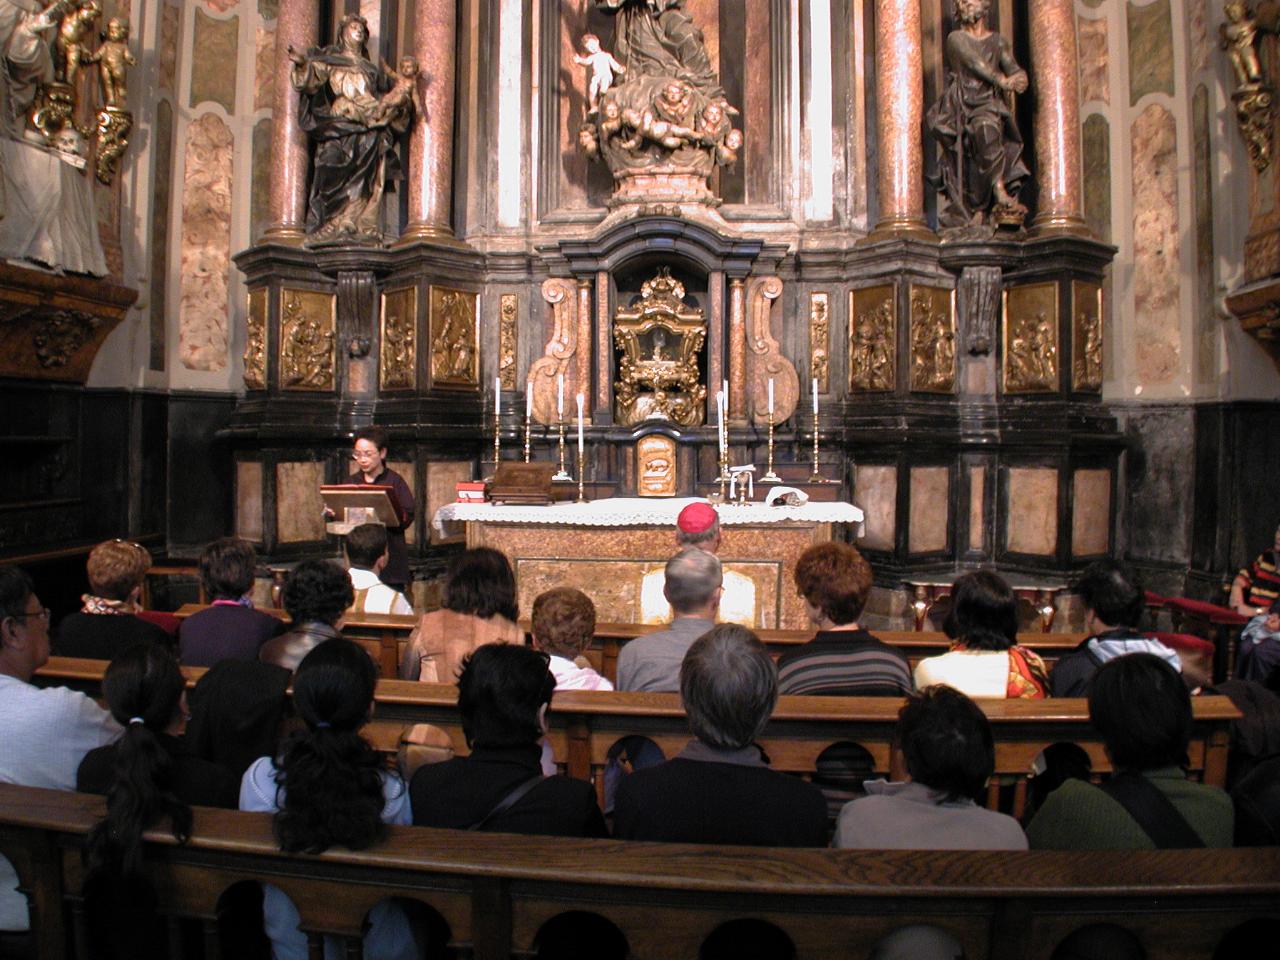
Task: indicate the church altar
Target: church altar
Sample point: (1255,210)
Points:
(606,547)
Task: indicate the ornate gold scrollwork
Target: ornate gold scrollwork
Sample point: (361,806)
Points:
(398,366)
(820,339)
(933,340)
(255,341)
(455,338)
(660,339)
(1086,336)
(508,305)
(873,339)
(60,333)
(1031,338)
(308,329)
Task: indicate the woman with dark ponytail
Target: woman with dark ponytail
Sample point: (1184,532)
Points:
(148,778)
(329,788)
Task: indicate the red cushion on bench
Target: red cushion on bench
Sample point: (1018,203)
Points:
(1210,611)
(1186,642)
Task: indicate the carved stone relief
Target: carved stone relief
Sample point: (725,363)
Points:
(1031,338)
(560,292)
(508,307)
(933,339)
(308,328)
(873,338)
(820,339)
(60,333)
(398,367)
(255,341)
(455,338)
(1086,336)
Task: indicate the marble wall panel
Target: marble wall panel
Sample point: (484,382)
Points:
(299,507)
(162,193)
(977,506)
(206,245)
(929,522)
(1032,519)
(213,72)
(1096,143)
(260,179)
(249,501)
(1090,513)
(583,183)
(167,48)
(875,490)
(1206,321)
(1156,273)
(1198,14)
(267,9)
(1150,50)
(1091,36)
(441,489)
(264,62)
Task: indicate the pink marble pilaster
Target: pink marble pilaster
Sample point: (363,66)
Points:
(604,348)
(430,183)
(582,361)
(899,113)
(737,350)
(297,25)
(1056,86)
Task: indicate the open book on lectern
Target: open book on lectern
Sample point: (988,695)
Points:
(355,503)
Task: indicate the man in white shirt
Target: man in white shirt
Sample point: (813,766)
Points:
(367,555)
(47,731)
(698,525)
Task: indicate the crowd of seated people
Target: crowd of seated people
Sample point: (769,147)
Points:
(327,786)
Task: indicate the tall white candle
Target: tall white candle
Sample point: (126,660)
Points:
(815,396)
(497,392)
(579,423)
(724,388)
(771,396)
(528,400)
(560,396)
(720,420)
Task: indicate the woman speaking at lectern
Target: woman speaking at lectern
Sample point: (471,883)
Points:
(369,454)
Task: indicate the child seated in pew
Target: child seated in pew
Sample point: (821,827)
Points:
(327,788)
(367,554)
(563,625)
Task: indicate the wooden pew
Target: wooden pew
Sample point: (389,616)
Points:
(495,892)
(584,726)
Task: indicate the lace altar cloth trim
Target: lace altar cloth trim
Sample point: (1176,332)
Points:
(642,512)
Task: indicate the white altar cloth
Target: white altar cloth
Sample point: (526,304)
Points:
(643,511)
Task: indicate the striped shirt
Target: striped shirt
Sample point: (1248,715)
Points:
(1261,580)
(847,663)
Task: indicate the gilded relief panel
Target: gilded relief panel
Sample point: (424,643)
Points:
(933,339)
(1031,338)
(255,341)
(872,339)
(508,317)
(875,490)
(308,330)
(1086,336)
(398,369)
(1032,523)
(299,507)
(455,338)
(1157,269)
(820,339)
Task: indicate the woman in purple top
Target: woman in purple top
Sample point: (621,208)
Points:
(230,629)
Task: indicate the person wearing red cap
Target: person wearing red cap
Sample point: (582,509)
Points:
(698,525)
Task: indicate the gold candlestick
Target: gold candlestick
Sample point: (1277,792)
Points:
(815,477)
(561,474)
(770,476)
(497,435)
(582,494)
(527,420)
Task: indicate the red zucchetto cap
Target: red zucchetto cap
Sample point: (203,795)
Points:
(696,518)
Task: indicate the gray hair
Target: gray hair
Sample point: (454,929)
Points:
(692,576)
(729,685)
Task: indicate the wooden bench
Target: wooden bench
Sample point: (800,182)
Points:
(585,725)
(495,893)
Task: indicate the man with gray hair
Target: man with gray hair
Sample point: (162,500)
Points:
(692,587)
(719,789)
(698,525)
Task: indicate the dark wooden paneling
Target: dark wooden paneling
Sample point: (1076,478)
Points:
(201,478)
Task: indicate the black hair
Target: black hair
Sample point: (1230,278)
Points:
(143,689)
(1141,707)
(375,435)
(366,544)
(1113,592)
(317,590)
(16,588)
(500,690)
(329,778)
(984,612)
(947,742)
(480,582)
(226,569)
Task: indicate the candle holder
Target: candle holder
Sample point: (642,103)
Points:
(582,492)
(497,435)
(816,477)
(770,476)
(561,474)
(527,422)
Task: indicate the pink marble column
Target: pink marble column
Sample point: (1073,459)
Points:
(1056,85)
(899,113)
(431,144)
(582,362)
(297,25)
(737,350)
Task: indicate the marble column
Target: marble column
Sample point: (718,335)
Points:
(297,25)
(899,116)
(737,350)
(1055,83)
(430,183)
(582,362)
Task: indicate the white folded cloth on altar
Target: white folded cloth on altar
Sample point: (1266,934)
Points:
(643,512)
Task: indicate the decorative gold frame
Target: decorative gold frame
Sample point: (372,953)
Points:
(308,339)
(873,339)
(1030,353)
(454,338)
(398,353)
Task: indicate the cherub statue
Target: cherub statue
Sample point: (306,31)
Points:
(603,67)
(112,58)
(1239,34)
(667,119)
(69,47)
(400,103)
